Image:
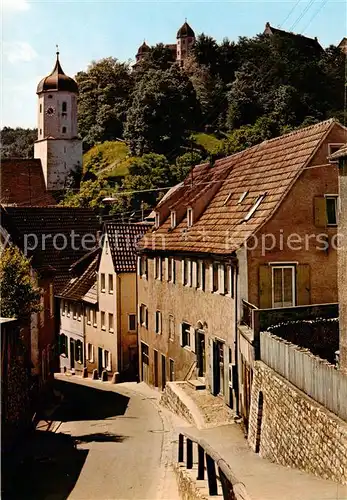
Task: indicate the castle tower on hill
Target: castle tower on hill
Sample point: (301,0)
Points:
(57,145)
(180,49)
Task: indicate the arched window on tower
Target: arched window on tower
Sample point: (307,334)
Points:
(64,130)
(64,107)
(50,96)
(40,108)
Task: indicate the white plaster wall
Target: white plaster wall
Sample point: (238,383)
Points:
(52,125)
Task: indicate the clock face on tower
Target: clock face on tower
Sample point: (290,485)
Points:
(50,111)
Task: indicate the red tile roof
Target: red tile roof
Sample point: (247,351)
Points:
(78,286)
(268,169)
(123,241)
(59,232)
(341,153)
(22,183)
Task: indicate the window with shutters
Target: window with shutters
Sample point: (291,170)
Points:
(283,286)
(143,266)
(185,335)
(144,315)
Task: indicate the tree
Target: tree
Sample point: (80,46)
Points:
(90,195)
(20,297)
(18,142)
(104,95)
(163,110)
(184,164)
(158,57)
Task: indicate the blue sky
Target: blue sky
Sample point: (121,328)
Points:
(89,30)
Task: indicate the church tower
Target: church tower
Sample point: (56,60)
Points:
(57,145)
(185,41)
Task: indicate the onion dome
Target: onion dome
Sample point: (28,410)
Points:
(185,31)
(57,80)
(143,49)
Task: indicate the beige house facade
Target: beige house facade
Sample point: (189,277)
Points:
(231,238)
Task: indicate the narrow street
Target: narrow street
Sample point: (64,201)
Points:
(106,442)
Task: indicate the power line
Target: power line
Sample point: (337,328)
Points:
(307,8)
(290,13)
(314,15)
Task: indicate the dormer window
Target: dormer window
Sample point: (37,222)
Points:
(255,206)
(157,220)
(333,148)
(173,219)
(242,197)
(189,217)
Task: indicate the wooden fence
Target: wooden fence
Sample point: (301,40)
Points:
(314,376)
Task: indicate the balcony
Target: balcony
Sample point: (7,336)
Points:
(247,314)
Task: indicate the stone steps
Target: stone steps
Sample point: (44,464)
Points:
(197,384)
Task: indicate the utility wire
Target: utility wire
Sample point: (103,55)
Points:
(315,14)
(290,13)
(307,8)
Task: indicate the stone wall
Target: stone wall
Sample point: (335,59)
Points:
(289,428)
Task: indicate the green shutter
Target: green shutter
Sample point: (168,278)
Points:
(303,286)
(265,289)
(320,211)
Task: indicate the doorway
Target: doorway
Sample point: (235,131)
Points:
(100,361)
(201,354)
(144,362)
(218,367)
(172,370)
(156,368)
(163,372)
(72,354)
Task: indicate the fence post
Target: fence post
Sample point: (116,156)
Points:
(211,476)
(201,463)
(227,488)
(180,447)
(189,453)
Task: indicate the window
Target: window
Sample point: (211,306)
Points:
(95,322)
(172,370)
(171,327)
(157,322)
(255,206)
(64,107)
(157,220)
(185,335)
(50,96)
(79,312)
(186,263)
(79,351)
(63,344)
(68,312)
(107,360)
(110,322)
(242,197)
(201,275)
(102,283)
(74,310)
(215,277)
(40,131)
(40,108)
(110,283)
(189,217)
(63,307)
(227,198)
(144,315)
(132,322)
(90,353)
(157,268)
(331,208)
(227,279)
(64,130)
(173,219)
(103,325)
(169,269)
(143,266)
(283,286)
(88,316)
(173,270)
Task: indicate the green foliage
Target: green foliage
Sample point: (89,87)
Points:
(18,142)
(19,294)
(90,195)
(158,57)
(163,110)
(104,96)
(208,142)
(184,164)
(108,155)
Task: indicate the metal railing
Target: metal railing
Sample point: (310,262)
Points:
(247,315)
(216,468)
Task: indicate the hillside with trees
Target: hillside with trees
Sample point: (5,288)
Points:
(163,118)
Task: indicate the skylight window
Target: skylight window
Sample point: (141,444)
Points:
(173,219)
(227,199)
(242,197)
(255,206)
